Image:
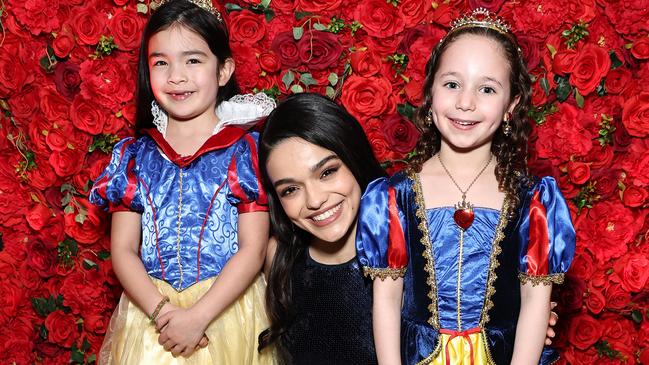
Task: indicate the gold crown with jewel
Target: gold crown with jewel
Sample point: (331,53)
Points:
(203,4)
(481,18)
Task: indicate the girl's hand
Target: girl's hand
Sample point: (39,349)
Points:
(181,331)
(554,318)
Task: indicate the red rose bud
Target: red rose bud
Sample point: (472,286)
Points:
(640,48)
(63,43)
(579,172)
(401,134)
(269,62)
(634,196)
(617,80)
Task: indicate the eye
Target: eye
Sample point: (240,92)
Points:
(193,61)
(329,171)
(159,63)
(488,90)
(451,85)
(287,191)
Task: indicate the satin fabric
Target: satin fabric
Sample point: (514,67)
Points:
(423,315)
(131,339)
(215,185)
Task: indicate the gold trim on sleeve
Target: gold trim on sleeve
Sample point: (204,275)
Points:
(382,273)
(541,279)
(428,250)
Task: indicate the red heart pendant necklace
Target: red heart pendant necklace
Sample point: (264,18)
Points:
(464,215)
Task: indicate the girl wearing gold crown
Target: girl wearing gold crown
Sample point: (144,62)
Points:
(467,282)
(190,221)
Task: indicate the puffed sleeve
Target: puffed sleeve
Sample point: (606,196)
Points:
(115,189)
(546,235)
(244,179)
(380,241)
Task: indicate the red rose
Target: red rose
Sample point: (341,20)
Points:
(87,116)
(563,61)
(269,62)
(39,16)
(539,97)
(582,266)
(400,134)
(52,231)
(574,356)
(365,63)
(247,27)
(88,24)
(531,50)
(284,6)
(61,328)
(64,42)
(640,49)
(41,258)
(53,105)
(617,297)
(95,323)
(635,115)
(10,299)
(109,84)
(610,228)
(367,97)
(636,273)
(617,80)
(247,68)
(126,27)
(379,18)
(57,139)
(13,76)
(414,91)
(67,162)
(634,196)
(591,65)
(285,46)
(584,331)
(67,79)
(595,301)
(23,105)
(534,21)
(79,295)
(37,216)
(578,172)
(318,6)
(560,137)
(413,11)
(618,332)
(319,50)
(42,177)
(93,226)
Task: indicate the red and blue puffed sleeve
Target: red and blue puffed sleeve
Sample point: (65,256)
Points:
(546,236)
(380,240)
(244,178)
(116,188)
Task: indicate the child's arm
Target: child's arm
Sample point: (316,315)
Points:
(532,323)
(386,316)
(182,329)
(125,237)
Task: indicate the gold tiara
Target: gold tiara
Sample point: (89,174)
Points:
(481,18)
(203,4)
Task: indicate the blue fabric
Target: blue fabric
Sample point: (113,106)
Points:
(560,229)
(419,336)
(160,213)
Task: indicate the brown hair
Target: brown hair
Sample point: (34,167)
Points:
(510,151)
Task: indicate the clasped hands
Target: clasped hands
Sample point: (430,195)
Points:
(181,331)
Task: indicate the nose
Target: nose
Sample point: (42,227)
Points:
(465,100)
(315,197)
(177,74)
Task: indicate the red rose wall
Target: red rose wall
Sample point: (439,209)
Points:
(67,81)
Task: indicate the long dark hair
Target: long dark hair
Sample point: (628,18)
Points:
(317,120)
(200,21)
(510,151)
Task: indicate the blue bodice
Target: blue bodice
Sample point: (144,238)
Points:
(189,205)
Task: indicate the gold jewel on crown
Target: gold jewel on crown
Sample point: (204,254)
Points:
(203,4)
(481,18)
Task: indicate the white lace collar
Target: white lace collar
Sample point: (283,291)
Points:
(241,110)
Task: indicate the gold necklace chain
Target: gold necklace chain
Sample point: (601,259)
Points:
(472,182)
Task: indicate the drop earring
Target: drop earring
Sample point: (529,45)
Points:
(507,128)
(429,116)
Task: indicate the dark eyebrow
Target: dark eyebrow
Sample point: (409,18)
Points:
(313,168)
(186,53)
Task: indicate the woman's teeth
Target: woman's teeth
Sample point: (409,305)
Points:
(327,214)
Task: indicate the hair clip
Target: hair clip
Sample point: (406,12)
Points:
(481,18)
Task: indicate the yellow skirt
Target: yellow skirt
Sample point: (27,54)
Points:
(461,348)
(132,340)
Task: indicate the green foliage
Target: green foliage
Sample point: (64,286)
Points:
(103,142)
(606,129)
(105,47)
(336,25)
(587,196)
(406,110)
(67,251)
(573,35)
(605,349)
(539,114)
(399,62)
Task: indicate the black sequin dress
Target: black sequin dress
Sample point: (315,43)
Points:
(333,322)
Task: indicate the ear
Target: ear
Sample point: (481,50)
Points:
(226,71)
(513,104)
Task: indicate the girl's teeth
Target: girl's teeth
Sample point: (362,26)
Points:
(327,214)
